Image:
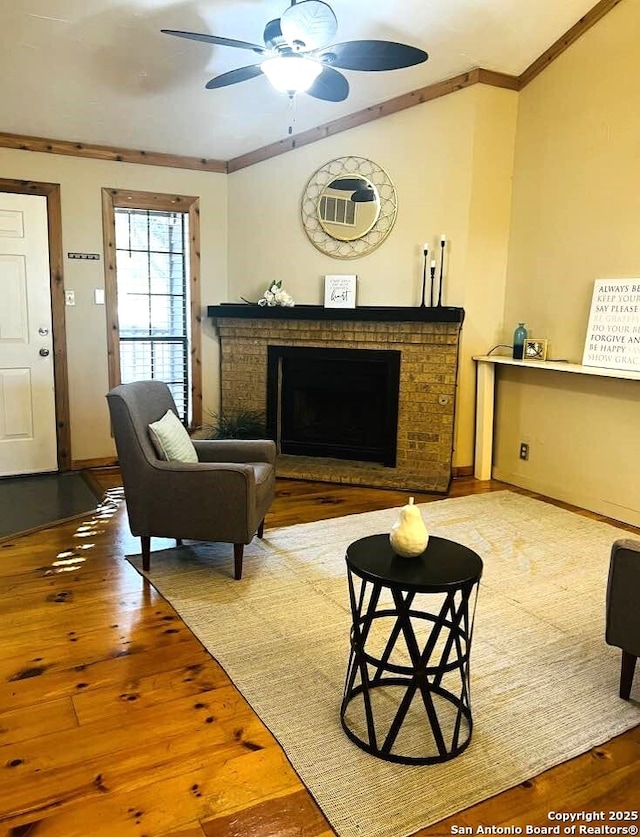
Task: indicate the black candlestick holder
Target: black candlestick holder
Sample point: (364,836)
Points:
(442,246)
(424,278)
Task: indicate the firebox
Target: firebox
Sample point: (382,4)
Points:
(340,403)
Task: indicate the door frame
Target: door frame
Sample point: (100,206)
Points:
(51,191)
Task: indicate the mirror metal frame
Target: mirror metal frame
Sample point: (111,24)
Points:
(354,167)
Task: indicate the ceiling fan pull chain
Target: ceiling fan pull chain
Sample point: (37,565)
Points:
(292,111)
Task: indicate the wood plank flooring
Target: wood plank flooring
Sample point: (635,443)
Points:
(115,721)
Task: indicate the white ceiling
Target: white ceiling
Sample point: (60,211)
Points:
(100,71)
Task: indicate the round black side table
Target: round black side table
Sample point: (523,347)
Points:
(406,696)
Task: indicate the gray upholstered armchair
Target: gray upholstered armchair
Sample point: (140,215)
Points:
(623,607)
(222,497)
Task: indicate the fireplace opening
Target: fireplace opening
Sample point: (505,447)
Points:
(340,403)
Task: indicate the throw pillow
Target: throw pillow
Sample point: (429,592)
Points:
(171,440)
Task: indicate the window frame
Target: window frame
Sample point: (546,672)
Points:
(119,198)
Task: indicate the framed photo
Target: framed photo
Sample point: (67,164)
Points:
(534,349)
(340,291)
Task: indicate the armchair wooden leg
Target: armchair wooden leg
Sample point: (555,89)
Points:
(626,674)
(238,552)
(146,552)
(260,532)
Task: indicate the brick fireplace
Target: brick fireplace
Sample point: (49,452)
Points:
(427,340)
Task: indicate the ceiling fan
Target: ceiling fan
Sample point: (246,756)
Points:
(298,56)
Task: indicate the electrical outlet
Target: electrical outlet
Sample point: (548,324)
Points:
(524,450)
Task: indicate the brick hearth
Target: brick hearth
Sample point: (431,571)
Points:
(428,372)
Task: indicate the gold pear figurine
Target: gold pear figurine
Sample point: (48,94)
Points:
(409,536)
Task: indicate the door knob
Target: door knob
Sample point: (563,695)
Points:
(44,352)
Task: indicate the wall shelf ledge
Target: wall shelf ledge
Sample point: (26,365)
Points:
(560,366)
(485,397)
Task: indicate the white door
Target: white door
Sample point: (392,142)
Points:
(27,395)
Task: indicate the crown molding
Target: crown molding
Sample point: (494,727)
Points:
(570,36)
(154,158)
(107,152)
(370,114)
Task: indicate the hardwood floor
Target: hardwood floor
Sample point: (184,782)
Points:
(114,720)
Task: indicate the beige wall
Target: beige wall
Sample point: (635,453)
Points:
(451,162)
(576,205)
(81,183)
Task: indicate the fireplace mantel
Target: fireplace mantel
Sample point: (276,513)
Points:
(363,313)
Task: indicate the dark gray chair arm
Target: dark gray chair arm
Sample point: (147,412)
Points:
(235,450)
(623,596)
(623,608)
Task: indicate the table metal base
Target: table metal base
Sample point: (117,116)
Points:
(406,696)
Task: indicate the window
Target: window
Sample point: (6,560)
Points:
(150,294)
(152,281)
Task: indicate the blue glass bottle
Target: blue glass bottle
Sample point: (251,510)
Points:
(519,336)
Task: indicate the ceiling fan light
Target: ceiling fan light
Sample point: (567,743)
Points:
(291,73)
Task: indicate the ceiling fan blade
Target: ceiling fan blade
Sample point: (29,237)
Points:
(330,85)
(308,24)
(215,39)
(234,76)
(365,194)
(372,55)
(346,184)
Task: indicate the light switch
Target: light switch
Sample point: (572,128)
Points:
(69,297)
(98,296)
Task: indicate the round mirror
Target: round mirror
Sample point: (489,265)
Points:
(348,207)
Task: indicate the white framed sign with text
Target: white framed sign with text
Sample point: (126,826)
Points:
(613,333)
(340,291)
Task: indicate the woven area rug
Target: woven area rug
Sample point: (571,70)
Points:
(544,685)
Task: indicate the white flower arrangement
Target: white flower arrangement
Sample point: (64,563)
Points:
(275,295)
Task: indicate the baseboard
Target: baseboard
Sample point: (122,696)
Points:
(616,513)
(83,464)
(462,471)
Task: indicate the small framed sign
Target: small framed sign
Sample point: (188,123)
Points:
(340,291)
